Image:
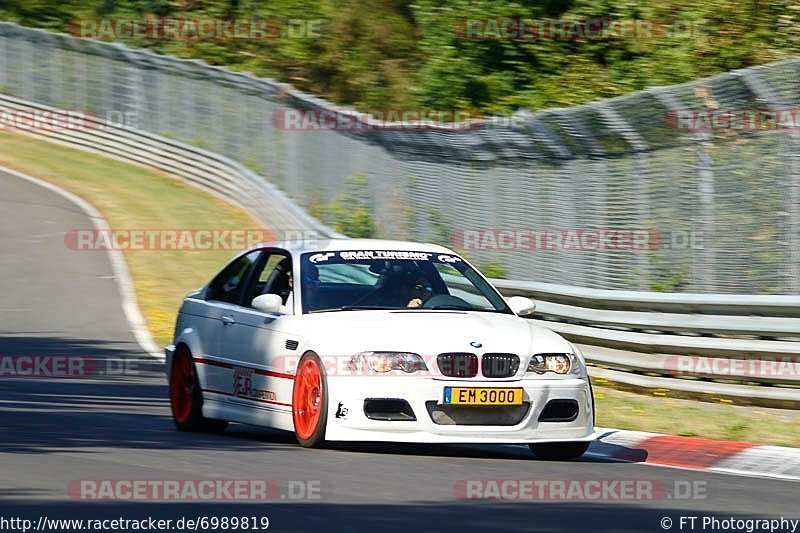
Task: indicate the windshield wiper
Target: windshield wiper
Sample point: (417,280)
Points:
(354,308)
(455,307)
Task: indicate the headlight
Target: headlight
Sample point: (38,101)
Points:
(560,363)
(382,362)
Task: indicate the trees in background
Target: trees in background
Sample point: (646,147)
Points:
(397,54)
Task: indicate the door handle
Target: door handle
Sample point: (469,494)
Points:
(227,320)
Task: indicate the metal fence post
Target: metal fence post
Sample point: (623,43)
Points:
(792,229)
(705,188)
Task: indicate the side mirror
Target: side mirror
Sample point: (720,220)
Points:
(521,305)
(267,303)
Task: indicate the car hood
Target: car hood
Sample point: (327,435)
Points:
(428,333)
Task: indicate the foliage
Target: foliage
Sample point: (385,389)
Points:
(388,54)
(493,270)
(350,212)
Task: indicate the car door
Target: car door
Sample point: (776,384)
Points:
(256,341)
(222,298)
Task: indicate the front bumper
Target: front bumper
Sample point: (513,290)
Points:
(348,421)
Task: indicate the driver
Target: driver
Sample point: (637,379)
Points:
(416,289)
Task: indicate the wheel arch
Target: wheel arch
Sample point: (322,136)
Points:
(187,340)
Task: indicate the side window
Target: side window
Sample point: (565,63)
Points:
(274,278)
(228,285)
(269,266)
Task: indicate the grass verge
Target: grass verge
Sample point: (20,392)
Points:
(133,197)
(659,414)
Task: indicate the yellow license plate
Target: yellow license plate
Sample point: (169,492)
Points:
(482,396)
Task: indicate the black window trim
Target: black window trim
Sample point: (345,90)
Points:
(249,280)
(258,266)
(207,290)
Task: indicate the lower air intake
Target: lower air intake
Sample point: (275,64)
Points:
(559,411)
(456,415)
(389,409)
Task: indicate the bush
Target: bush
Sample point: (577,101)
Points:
(350,212)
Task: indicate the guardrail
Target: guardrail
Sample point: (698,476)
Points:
(743,347)
(629,337)
(213,172)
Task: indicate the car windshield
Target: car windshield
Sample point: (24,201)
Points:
(389,279)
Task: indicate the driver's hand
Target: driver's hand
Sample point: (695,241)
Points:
(416,302)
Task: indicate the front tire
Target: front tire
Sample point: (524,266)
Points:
(186,398)
(310,402)
(559,451)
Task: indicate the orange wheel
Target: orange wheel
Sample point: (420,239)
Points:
(186,399)
(182,389)
(309,402)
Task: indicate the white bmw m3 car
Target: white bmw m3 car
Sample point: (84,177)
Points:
(372,340)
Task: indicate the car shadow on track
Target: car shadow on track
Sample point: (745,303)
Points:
(476,451)
(123,402)
(119,399)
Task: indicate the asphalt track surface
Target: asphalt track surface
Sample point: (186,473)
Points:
(53,431)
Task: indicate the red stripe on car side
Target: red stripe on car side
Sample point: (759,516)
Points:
(211,362)
(273,374)
(258,371)
(214,391)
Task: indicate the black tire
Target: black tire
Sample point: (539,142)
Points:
(559,451)
(186,398)
(306,438)
(213,425)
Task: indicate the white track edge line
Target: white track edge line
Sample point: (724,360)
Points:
(119,267)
